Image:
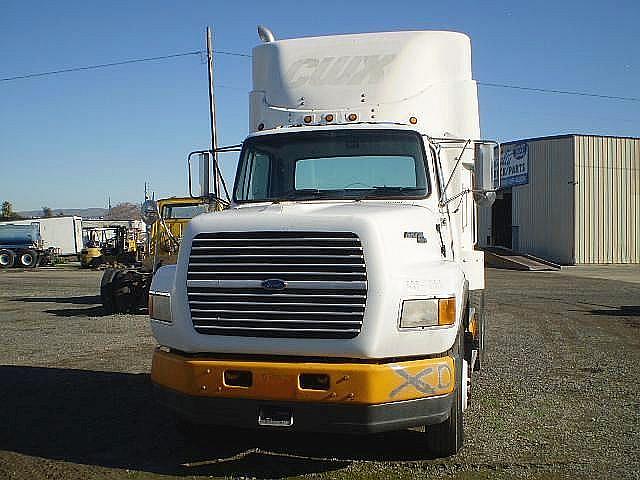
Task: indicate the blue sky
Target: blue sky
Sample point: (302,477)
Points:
(73,140)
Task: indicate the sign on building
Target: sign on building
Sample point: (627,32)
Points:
(514,165)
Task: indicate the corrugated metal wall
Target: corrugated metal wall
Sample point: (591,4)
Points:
(607,199)
(543,209)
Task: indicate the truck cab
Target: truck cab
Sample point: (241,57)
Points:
(341,291)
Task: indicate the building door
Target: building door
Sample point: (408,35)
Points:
(501,220)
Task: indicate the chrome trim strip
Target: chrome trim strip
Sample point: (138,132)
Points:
(310,285)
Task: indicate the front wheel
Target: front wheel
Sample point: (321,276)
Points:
(106,291)
(446,439)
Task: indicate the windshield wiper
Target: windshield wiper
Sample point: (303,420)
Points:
(376,191)
(307,193)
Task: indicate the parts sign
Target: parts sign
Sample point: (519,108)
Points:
(514,165)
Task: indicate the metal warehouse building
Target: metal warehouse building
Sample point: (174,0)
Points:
(571,199)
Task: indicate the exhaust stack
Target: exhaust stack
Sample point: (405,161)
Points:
(265,34)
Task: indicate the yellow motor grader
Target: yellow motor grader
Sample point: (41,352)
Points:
(127,289)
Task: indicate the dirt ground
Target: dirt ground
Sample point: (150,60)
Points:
(559,398)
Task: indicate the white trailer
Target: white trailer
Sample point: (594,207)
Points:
(64,234)
(341,291)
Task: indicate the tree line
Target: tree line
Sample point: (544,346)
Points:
(122,211)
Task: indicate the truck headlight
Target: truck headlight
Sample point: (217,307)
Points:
(428,313)
(160,306)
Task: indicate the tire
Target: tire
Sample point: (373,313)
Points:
(476,300)
(124,299)
(7,258)
(95,262)
(447,438)
(106,290)
(28,259)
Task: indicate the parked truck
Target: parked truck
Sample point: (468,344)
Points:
(22,246)
(64,234)
(341,291)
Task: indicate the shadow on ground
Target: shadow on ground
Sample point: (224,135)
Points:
(623,311)
(93,310)
(86,300)
(110,419)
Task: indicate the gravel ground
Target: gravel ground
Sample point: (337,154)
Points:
(560,397)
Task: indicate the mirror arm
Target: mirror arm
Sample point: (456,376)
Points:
(458,160)
(443,203)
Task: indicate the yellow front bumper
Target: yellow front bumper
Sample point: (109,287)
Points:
(362,383)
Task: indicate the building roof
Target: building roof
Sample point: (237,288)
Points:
(567,135)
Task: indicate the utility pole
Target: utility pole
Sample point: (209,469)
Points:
(212,117)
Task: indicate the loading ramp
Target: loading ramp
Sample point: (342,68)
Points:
(505,258)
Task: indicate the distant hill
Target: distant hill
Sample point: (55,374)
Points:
(80,212)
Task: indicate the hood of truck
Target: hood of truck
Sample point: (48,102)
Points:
(373,221)
(403,260)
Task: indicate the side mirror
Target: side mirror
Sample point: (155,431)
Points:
(204,173)
(149,212)
(483,182)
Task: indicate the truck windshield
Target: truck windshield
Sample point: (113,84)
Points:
(182,211)
(338,164)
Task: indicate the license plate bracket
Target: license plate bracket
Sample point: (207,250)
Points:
(275,417)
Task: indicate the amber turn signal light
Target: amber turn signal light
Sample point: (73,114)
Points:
(447,311)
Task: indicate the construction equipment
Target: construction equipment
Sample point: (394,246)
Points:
(126,289)
(114,244)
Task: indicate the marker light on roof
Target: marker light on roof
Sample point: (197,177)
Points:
(352,117)
(328,117)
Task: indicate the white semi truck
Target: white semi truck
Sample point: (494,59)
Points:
(341,291)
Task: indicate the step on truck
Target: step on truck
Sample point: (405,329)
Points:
(341,290)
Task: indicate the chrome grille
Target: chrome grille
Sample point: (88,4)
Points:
(324,297)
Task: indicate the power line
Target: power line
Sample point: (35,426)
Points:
(563,92)
(245,55)
(114,64)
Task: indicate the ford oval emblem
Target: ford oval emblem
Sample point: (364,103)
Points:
(274,284)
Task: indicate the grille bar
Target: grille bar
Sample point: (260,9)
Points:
(297,284)
(271,320)
(278,304)
(268,329)
(272,295)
